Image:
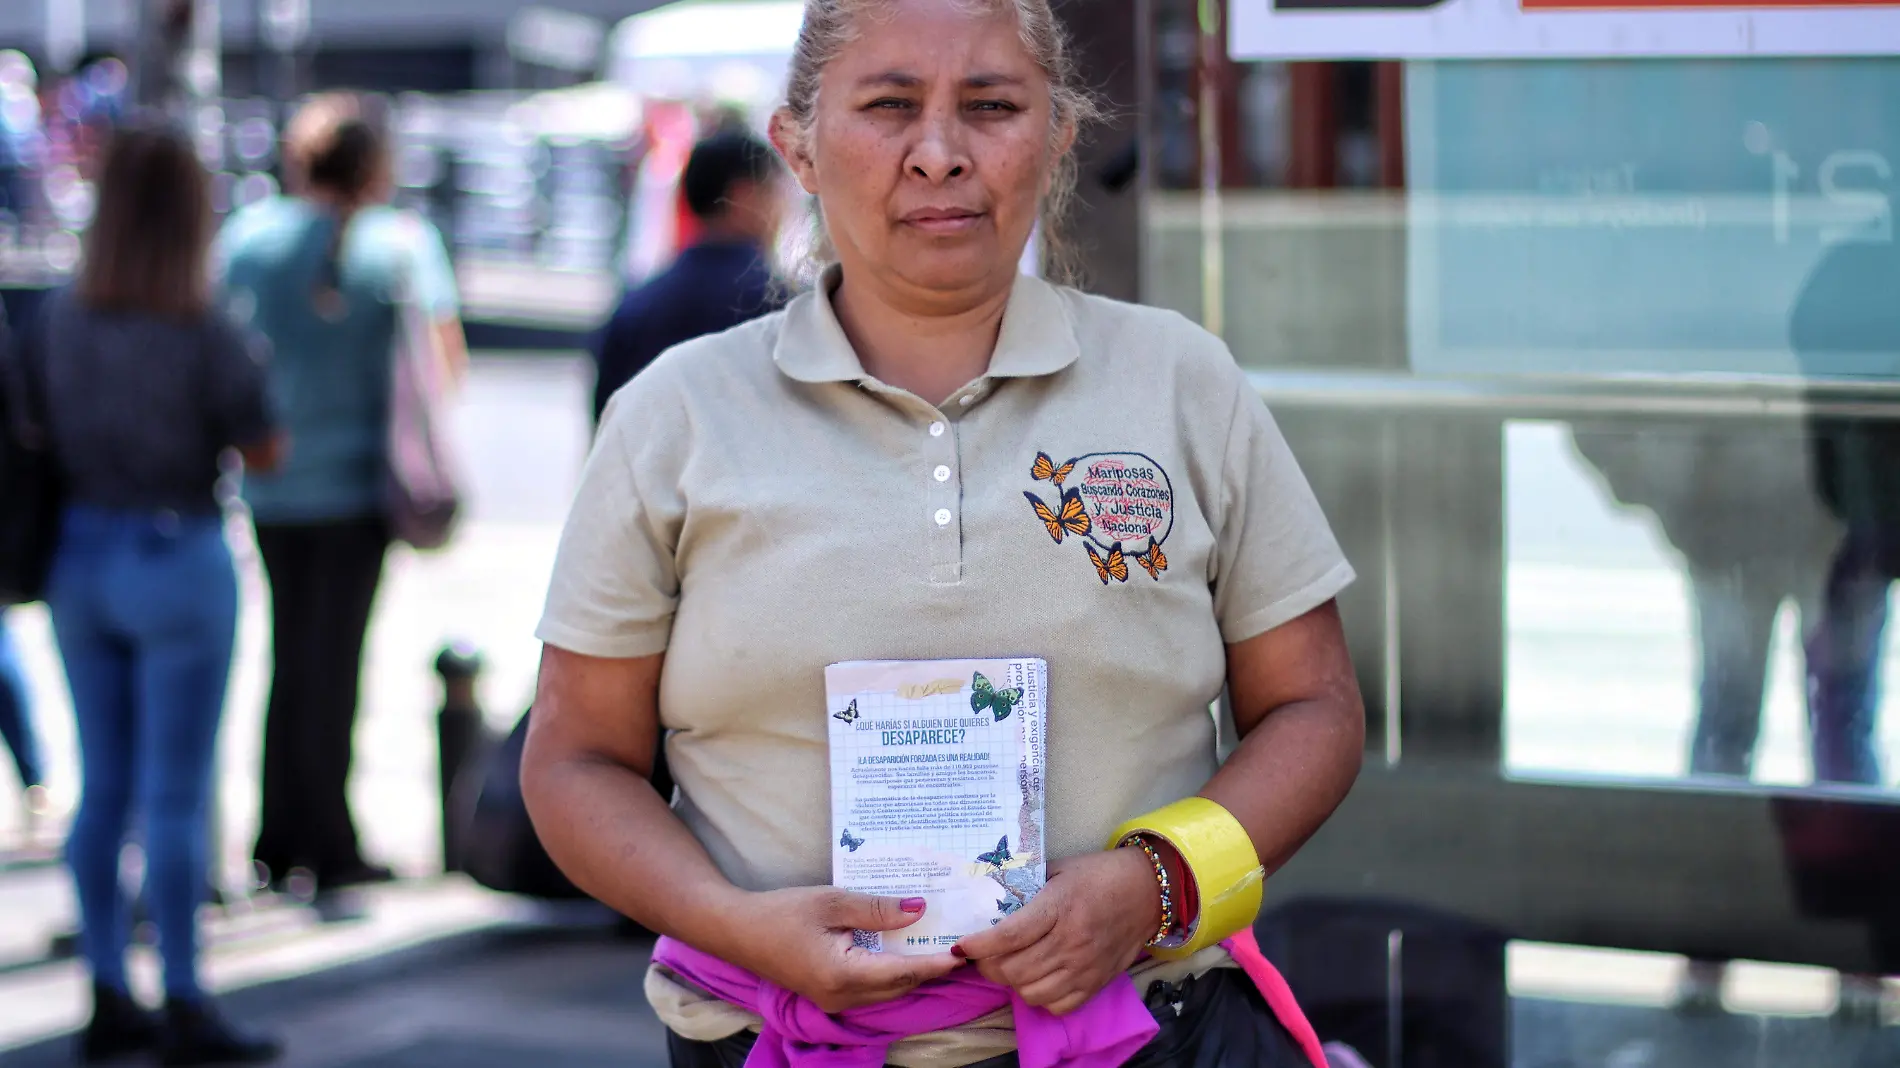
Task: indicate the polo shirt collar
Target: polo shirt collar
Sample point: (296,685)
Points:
(1037,338)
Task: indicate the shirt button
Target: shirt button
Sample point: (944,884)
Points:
(941,474)
(936,430)
(967,399)
(943,517)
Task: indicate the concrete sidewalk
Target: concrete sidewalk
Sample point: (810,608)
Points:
(428,973)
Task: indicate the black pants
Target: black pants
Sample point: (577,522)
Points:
(323,579)
(1222,1023)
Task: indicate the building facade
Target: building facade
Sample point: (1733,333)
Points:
(426,45)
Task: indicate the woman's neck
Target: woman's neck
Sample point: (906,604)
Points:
(930,351)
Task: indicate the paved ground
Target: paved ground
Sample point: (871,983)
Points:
(458,976)
(499,988)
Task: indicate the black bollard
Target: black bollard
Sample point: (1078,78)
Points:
(460,734)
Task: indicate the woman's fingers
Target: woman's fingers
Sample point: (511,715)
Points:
(1089,922)
(1017,932)
(869,978)
(1021,968)
(847,911)
(892,971)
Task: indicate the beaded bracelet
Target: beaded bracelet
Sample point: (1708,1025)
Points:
(1161,877)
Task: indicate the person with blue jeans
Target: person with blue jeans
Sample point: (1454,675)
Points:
(147,389)
(319,273)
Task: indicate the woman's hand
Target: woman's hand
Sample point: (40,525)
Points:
(1090,922)
(800,938)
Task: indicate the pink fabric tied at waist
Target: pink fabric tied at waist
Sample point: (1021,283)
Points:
(1105,1033)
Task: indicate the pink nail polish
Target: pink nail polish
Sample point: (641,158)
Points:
(912,905)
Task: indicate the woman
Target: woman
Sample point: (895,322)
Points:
(319,274)
(845,480)
(147,388)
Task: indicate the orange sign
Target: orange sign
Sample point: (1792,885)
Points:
(1560,29)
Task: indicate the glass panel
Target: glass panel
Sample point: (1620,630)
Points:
(1595,366)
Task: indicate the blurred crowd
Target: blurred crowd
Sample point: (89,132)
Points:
(49,131)
(204,364)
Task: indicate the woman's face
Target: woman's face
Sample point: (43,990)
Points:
(930,148)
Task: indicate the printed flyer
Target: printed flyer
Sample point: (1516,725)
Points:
(937,773)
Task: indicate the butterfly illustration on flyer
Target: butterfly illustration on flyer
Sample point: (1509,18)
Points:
(1119,505)
(937,772)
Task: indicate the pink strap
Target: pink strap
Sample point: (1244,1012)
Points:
(1246,953)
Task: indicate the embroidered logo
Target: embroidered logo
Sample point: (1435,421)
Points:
(1121,506)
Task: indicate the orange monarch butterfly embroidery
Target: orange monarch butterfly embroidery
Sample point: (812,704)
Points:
(1120,505)
(1045,470)
(1114,565)
(1073,518)
(1154,560)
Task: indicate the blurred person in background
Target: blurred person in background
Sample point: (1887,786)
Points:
(16,712)
(319,273)
(16,730)
(20,135)
(147,389)
(734,187)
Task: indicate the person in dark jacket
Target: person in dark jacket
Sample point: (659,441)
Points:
(734,187)
(148,391)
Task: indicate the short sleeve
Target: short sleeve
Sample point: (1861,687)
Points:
(615,583)
(431,273)
(1276,557)
(236,387)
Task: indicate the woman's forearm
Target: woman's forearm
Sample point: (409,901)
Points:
(609,831)
(1289,774)
(1302,726)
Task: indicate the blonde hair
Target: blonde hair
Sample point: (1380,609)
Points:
(831,25)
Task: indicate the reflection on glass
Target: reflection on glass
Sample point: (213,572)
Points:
(1675,589)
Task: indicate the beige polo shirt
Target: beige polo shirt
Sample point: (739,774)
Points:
(1112,497)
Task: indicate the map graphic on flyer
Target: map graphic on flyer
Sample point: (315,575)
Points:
(937,771)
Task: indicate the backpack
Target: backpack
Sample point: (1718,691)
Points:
(498,847)
(31,491)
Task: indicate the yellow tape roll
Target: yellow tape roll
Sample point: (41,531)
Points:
(1220,859)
